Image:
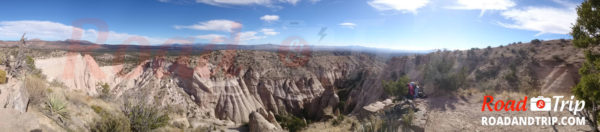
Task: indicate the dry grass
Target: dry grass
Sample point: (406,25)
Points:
(467,91)
(2,77)
(36,87)
(57,83)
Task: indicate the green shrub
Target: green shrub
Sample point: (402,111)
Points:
(144,118)
(396,88)
(30,62)
(536,42)
(408,118)
(109,122)
(290,122)
(97,109)
(32,70)
(57,83)
(439,71)
(378,124)
(337,121)
(2,77)
(104,89)
(557,58)
(487,73)
(563,41)
(371,125)
(512,78)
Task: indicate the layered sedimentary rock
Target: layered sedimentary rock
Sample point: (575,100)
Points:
(262,121)
(78,72)
(222,85)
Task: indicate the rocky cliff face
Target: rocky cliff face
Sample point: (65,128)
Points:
(78,72)
(224,85)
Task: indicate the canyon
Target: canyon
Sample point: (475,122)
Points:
(228,88)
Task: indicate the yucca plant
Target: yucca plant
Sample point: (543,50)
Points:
(57,106)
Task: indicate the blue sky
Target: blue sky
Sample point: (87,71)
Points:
(394,24)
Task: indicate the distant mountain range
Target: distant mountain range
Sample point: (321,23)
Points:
(86,46)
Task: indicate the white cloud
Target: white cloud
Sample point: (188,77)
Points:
(215,38)
(348,25)
(47,30)
(235,2)
(293,2)
(269,31)
(248,2)
(269,18)
(484,5)
(249,35)
(399,5)
(542,19)
(213,25)
(238,38)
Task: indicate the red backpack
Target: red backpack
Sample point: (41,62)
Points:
(411,90)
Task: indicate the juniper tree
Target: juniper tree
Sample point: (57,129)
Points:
(586,35)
